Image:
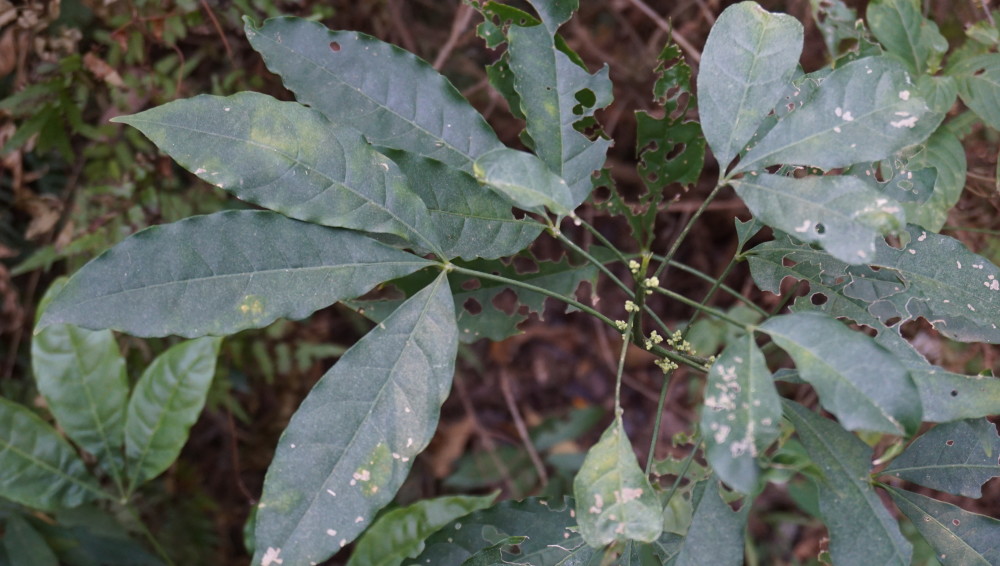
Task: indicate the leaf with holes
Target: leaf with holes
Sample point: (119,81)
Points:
(359,428)
(957,457)
(866,110)
(907,34)
(251,267)
(392,97)
(979,86)
(841,213)
(741,413)
(614,499)
(749,59)
(290,159)
(868,390)
(861,529)
(960,538)
(948,396)
(715,537)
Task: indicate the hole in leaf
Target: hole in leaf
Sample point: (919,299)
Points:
(956,522)
(514,549)
(949,442)
(676,151)
(893,321)
(525,265)
(787,262)
(334,46)
(473,306)
(818,299)
(505,301)
(586,97)
(820,228)
(471,284)
(954,393)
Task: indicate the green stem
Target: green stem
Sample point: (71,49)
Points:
(148,534)
(669,256)
(700,307)
(600,237)
(684,471)
(659,418)
(706,277)
(626,338)
(711,292)
(786,299)
(597,263)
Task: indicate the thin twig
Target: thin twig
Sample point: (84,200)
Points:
(458,25)
(679,39)
(522,429)
(487,440)
(218,29)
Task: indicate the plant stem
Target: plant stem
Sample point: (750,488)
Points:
(659,418)
(700,307)
(684,471)
(600,237)
(706,277)
(669,256)
(597,263)
(715,287)
(626,340)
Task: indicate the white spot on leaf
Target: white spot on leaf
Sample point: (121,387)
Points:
(271,557)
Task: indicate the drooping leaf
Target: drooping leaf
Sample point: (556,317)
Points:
(861,529)
(400,533)
(748,61)
(956,457)
(979,86)
(469,220)
(392,97)
(867,110)
(556,94)
(221,273)
(741,413)
(907,34)
(869,389)
(524,180)
(81,375)
(960,538)
(715,537)
(361,425)
(24,545)
(165,404)
(288,158)
(614,499)
(40,469)
(549,526)
(840,213)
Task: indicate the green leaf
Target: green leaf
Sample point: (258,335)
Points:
(715,537)
(392,97)
(400,533)
(493,555)
(40,469)
(549,526)
(862,112)
(468,220)
(288,158)
(741,413)
(81,375)
(944,153)
(748,61)
(836,22)
(960,538)
(861,529)
(907,34)
(948,396)
(24,545)
(557,96)
(614,500)
(841,213)
(525,180)
(360,426)
(956,457)
(554,13)
(224,272)
(979,86)
(165,404)
(856,379)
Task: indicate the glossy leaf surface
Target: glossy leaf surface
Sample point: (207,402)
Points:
(748,60)
(715,537)
(614,500)
(960,538)
(525,180)
(741,413)
(360,426)
(250,267)
(868,389)
(400,533)
(861,529)
(957,457)
(40,469)
(388,94)
(165,404)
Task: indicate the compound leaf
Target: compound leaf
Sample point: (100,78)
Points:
(956,457)
(360,427)
(715,537)
(960,538)
(165,404)
(868,389)
(400,533)
(741,413)
(861,529)
(40,469)
(525,180)
(614,499)
(388,94)
(907,34)
(841,213)
(249,267)
(863,111)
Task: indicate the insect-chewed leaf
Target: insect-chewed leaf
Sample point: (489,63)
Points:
(388,94)
(948,396)
(715,537)
(614,499)
(224,272)
(841,213)
(748,61)
(960,538)
(956,457)
(867,387)
(837,22)
(288,158)
(741,413)
(863,111)
(360,427)
(861,529)
(907,34)
(548,526)
(525,180)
